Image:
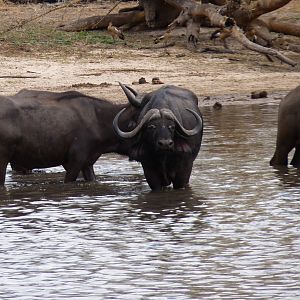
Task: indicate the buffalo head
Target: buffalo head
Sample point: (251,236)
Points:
(158,126)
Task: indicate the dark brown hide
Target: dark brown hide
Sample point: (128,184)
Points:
(288,133)
(167,137)
(40,129)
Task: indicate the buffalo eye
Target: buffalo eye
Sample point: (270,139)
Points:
(151,126)
(171,127)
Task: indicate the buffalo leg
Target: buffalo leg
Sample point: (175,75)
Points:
(280,157)
(3,166)
(71,174)
(88,173)
(183,174)
(154,177)
(73,168)
(286,140)
(296,158)
(75,162)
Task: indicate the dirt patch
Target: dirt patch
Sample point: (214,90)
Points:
(96,68)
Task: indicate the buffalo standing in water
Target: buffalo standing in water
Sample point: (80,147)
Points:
(288,133)
(40,129)
(167,134)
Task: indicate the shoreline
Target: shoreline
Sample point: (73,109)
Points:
(232,85)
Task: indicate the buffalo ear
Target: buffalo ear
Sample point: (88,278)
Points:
(131,95)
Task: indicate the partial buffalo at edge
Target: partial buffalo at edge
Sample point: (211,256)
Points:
(288,133)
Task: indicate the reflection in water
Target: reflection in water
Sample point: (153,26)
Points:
(234,234)
(173,203)
(289,177)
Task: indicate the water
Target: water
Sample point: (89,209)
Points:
(233,235)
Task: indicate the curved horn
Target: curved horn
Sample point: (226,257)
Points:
(138,97)
(152,113)
(131,89)
(187,132)
(130,94)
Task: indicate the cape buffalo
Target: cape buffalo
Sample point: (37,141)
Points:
(40,129)
(288,133)
(167,136)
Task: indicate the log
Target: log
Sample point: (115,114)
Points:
(261,7)
(158,13)
(245,11)
(101,22)
(283,27)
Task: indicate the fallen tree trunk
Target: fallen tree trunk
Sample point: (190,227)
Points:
(245,11)
(261,7)
(283,27)
(100,22)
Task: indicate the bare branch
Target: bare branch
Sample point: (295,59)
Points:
(240,37)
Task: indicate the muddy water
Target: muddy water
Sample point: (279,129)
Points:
(235,234)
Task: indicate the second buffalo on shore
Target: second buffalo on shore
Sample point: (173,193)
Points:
(167,135)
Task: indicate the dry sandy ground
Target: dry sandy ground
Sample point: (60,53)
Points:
(229,78)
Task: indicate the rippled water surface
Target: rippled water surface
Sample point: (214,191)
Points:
(235,234)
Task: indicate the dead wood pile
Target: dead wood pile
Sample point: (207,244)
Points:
(238,19)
